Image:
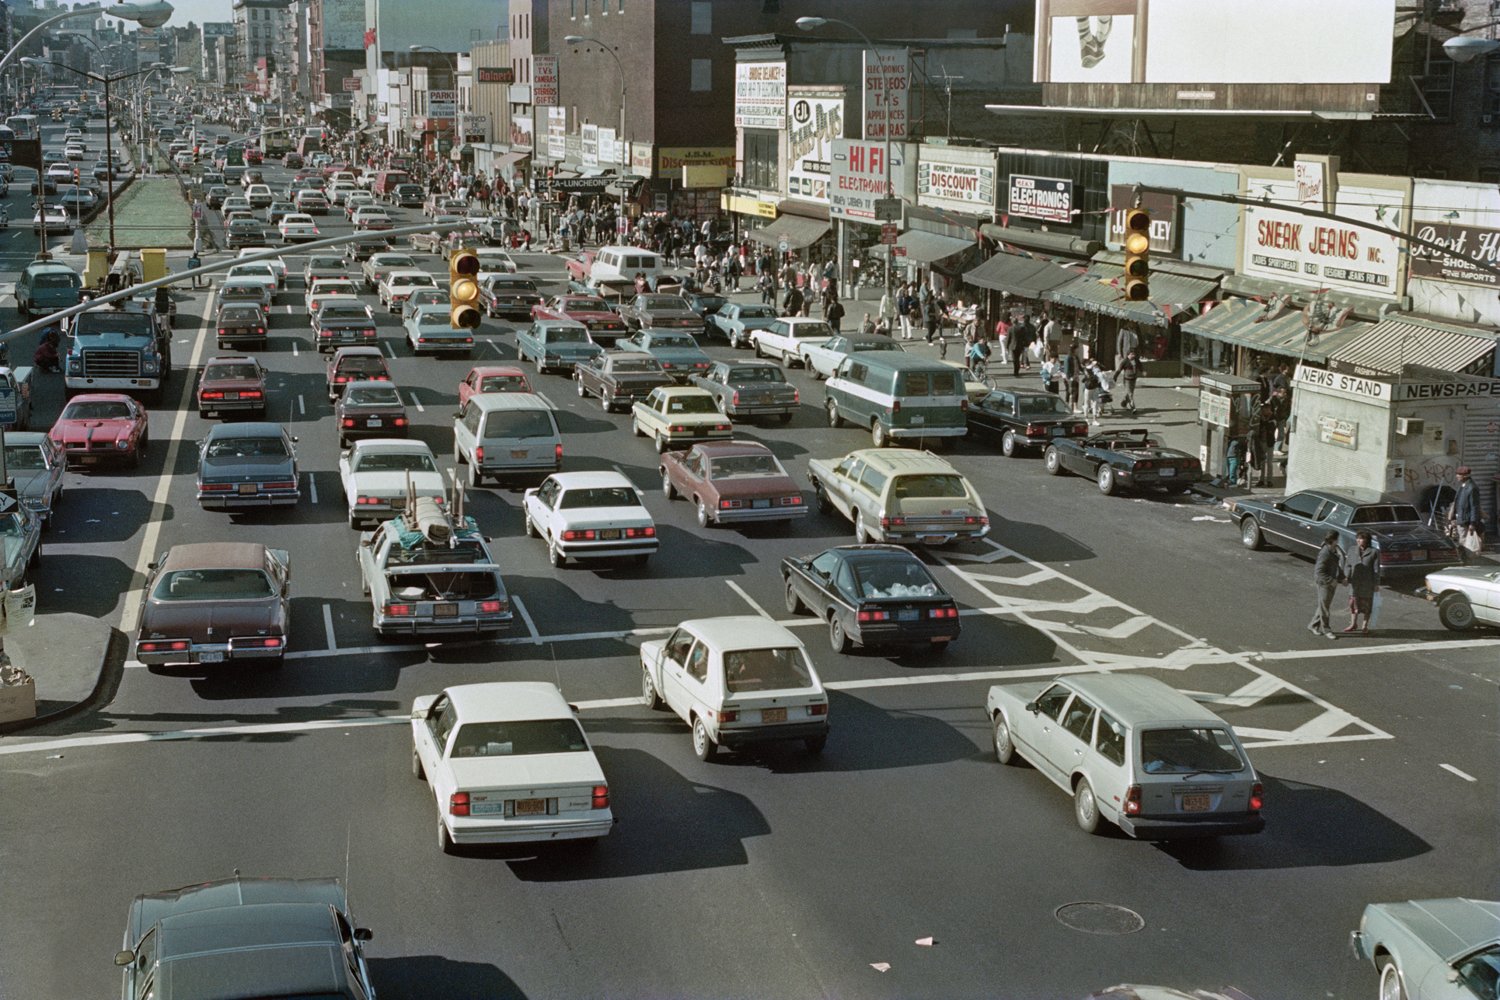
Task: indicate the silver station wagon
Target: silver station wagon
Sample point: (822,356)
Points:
(1133,751)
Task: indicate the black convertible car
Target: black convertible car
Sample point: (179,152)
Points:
(1025,419)
(1124,460)
(1298,523)
(873,595)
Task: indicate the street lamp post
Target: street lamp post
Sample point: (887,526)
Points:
(623,140)
(453,82)
(146,13)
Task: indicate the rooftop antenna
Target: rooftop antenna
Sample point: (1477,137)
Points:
(948,92)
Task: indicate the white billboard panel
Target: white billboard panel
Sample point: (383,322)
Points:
(887,83)
(815,117)
(343,24)
(760,95)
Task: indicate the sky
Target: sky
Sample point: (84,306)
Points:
(199,11)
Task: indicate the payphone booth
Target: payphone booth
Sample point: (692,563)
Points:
(1225,405)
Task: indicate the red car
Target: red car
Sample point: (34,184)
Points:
(254,157)
(231,383)
(731,482)
(100,427)
(485,379)
(605,326)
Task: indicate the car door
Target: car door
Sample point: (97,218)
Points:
(673,674)
(432,736)
(846,477)
(1067,744)
(1293,520)
(815,585)
(689,473)
(992,410)
(1034,728)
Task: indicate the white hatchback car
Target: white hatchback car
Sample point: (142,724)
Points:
(1465,596)
(508,762)
(1133,751)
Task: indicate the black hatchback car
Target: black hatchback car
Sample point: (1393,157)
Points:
(1023,420)
(873,595)
(1298,523)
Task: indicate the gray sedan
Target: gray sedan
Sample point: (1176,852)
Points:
(35,464)
(431,329)
(247,465)
(1298,523)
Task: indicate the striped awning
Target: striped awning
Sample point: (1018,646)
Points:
(1240,322)
(1100,290)
(1027,277)
(1394,343)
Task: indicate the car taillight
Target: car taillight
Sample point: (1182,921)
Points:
(640,532)
(871,615)
(1081,430)
(458,804)
(216,487)
(818,708)
(341,378)
(727,715)
(971,519)
(579,535)
(399,610)
(1257,797)
(796,396)
(736,398)
(290,484)
(260,642)
(379,378)
(367,333)
(1388,556)
(165,646)
(896,406)
(212,394)
(792,501)
(250,394)
(892,522)
(943,613)
(728,504)
(399,422)
(491,607)
(677,429)
(348,421)
(260,329)
(557,451)
(700,364)
(1032,430)
(1145,463)
(479,453)
(963,404)
(723,427)
(368,501)
(223,332)
(1133,800)
(601,797)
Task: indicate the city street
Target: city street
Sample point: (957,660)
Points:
(768,874)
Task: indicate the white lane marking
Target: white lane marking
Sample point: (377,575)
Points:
(515,599)
(294,348)
(417,402)
(288,310)
(389,349)
(543,397)
(1403,647)
(301,405)
(312,486)
(496,346)
(1453,770)
(157,516)
(747,598)
(328,628)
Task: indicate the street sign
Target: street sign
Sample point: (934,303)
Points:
(888,209)
(6,502)
(888,233)
(899,251)
(783,246)
(197,212)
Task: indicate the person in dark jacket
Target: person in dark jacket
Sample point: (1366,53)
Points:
(1362,570)
(792,304)
(1327,575)
(1021,335)
(1466,509)
(1263,424)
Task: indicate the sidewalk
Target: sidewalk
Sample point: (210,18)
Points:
(73,659)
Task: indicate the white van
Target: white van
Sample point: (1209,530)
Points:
(624,262)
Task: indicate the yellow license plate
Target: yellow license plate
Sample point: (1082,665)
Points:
(773,715)
(1195,803)
(531,807)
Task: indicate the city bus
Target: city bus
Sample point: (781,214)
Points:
(24,126)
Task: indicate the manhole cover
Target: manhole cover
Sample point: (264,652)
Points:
(1099,918)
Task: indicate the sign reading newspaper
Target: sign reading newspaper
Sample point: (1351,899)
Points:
(1047,199)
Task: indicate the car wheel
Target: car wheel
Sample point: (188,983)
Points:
(702,513)
(661,445)
(555,556)
(1085,807)
(667,489)
(861,536)
(445,842)
(756,344)
(703,743)
(878,436)
(784,418)
(473,477)
(1008,444)
(838,639)
(353,521)
(807,364)
(1105,478)
(834,420)
(793,602)
(1053,462)
(528,526)
(820,499)
(1005,750)
(1456,613)
(815,744)
(458,456)
(1390,980)
(635,428)
(582,392)
(649,695)
(1250,536)
(416,766)
(722,404)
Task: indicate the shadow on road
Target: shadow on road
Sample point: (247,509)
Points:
(416,976)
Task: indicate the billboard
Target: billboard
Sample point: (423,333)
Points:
(815,117)
(343,24)
(1214,41)
(887,81)
(442,103)
(520,133)
(557,133)
(857,177)
(494,74)
(1047,199)
(760,95)
(963,181)
(590,139)
(1161,207)
(544,80)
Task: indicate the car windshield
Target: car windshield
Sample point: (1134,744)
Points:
(673,340)
(928,485)
(894,578)
(567,335)
(691,404)
(237,370)
(1480,972)
(748,670)
(737,466)
(213,585)
(504,383)
(97,410)
(256,447)
(520,737)
(637,367)
(600,496)
(24,457)
(759,373)
(396,461)
(372,395)
(342,312)
(1189,749)
(1386,514)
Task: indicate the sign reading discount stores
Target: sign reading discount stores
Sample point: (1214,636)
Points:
(971,186)
(1049,199)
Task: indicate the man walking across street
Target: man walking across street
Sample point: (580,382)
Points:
(1126,374)
(1020,340)
(1327,572)
(1466,511)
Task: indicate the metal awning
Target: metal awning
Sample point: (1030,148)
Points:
(564,175)
(1028,277)
(593,172)
(1241,322)
(798,231)
(1393,344)
(1101,290)
(923,247)
(510,159)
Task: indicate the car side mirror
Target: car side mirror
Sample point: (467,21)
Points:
(363,934)
(1031,707)
(1279,506)
(124,958)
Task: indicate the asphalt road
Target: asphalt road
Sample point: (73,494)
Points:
(767,874)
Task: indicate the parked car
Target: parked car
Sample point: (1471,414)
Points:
(1464,595)
(589,515)
(1431,949)
(731,482)
(1131,751)
(508,762)
(486,379)
(678,352)
(354,364)
(678,415)
(370,409)
(237,322)
(1024,420)
(821,359)
(746,390)
(1297,523)
(619,377)
(231,384)
(35,465)
(215,602)
(20,547)
(102,427)
(899,495)
(243,465)
(374,473)
(736,681)
(871,595)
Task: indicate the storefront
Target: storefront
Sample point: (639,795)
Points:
(1017,284)
(956,188)
(747,210)
(1244,336)
(801,228)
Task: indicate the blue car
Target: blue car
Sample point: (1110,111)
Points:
(677,351)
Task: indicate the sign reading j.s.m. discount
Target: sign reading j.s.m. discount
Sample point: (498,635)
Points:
(760,95)
(815,117)
(1284,246)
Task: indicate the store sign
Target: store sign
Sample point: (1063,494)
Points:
(760,95)
(857,180)
(1340,384)
(1337,432)
(351,85)
(674,158)
(973,186)
(887,84)
(590,147)
(557,133)
(442,103)
(521,138)
(1466,246)
(495,74)
(1161,207)
(544,80)
(1312,184)
(1322,253)
(608,148)
(1047,199)
(815,117)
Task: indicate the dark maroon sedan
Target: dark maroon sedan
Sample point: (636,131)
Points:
(214,602)
(731,482)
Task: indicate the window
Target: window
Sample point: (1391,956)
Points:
(1302,505)
(572,8)
(759,169)
(702,75)
(703,15)
(1050,702)
(1080,719)
(1110,741)
(697,664)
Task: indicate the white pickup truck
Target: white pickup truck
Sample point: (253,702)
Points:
(15,398)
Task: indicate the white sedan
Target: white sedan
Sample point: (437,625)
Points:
(297,227)
(57,219)
(1465,596)
(787,337)
(397,285)
(493,260)
(259,271)
(508,762)
(324,289)
(589,515)
(374,472)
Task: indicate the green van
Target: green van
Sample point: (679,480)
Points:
(898,396)
(46,286)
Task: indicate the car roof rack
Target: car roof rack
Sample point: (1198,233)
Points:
(425,520)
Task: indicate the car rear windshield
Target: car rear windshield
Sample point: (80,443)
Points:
(585,305)
(640,367)
(56,281)
(812,330)
(518,738)
(601,496)
(691,404)
(567,335)
(504,383)
(240,314)
(1386,514)
(362,366)
(1189,750)
(929,384)
(396,462)
(250,447)
(894,578)
(238,370)
(342,312)
(519,424)
(736,466)
(316,263)
(747,670)
(673,340)
(759,373)
(444,585)
(928,485)
(213,585)
(372,395)
(757,312)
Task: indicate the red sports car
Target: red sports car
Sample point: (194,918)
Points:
(100,427)
(605,326)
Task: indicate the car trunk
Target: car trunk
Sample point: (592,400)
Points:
(210,621)
(932,502)
(537,786)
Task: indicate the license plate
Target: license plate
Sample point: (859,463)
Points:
(445,611)
(518,453)
(1419,555)
(531,807)
(375,421)
(247,489)
(1057,432)
(609,533)
(773,715)
(231,395)
(486,808)
(908,615)
(760,503)
(918,421)
(933,539)
(1166,473)
(1195,803)
(90,458)
(210,657)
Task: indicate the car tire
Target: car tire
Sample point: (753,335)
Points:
(793,602)
(1086,807)
(635,428)
(878,436)
(416,766)
(701,512)
(704,746)
(834,420)
(1104,478)
(722,405)
(838,639)
(445,842)
(754,343)
(1456,613)
(1052,461)
(1390,985)
(661,445)
(353,522)
(650,697)
(555,556)
(667,489)
(1008,444)
(815,744)
(820,499)
(784,418)
(1005,748)
(472,477)
(582,392)
(861,536)
(1250,534)
(458,456)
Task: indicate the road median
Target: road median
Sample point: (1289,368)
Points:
(151,212)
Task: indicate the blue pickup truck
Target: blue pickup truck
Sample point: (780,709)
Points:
(555,344)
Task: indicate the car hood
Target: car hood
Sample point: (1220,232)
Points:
(252,467)
(80,431)
(1450,928)
(1457,576)
(391,484)
(210,620)
(30,484)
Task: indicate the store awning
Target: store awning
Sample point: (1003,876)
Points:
(924,247)
(798,231)
(564,175)
(1028,277)
(594,172)
(1101,290)
(1391,344)
(508,160)
(1241,322)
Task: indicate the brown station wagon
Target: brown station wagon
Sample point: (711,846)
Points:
(212,602)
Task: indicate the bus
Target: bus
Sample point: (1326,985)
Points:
(24,126)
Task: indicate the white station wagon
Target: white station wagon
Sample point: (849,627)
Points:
(508,762)
(1133,751)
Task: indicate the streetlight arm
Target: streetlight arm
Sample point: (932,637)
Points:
(158,15)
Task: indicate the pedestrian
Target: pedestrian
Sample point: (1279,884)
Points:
(1020,339)
(1127,372)
(1327,575)
(1362,570)
(868,325)
(887,308)
(903,310)
(933,316)
(1002,336)
(1070,375)
(1234,460)
(767,284)
(1090,388)
(792,303)
(913,319)
(833,312)
(1263,444)
(1466,511)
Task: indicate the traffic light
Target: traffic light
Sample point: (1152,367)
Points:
(1137,254)
(463,289)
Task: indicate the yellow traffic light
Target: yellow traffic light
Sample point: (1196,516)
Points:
(463,289)
(1137,254)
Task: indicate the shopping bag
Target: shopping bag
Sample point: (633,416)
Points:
(1472,540)
(1375,603)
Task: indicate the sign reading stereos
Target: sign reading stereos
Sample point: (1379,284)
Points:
(886,84)
(815,117)
(1047,199)
(760,95)
(544,81)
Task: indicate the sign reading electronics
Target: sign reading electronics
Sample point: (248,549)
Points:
(1047,199)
